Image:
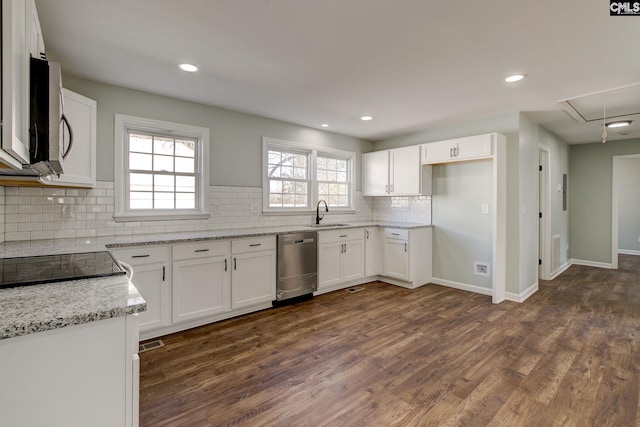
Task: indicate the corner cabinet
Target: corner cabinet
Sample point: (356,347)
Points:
(80,165)
(254,271)
(340,257)
(372,251)
(201,280)
(396,172)
(455,150)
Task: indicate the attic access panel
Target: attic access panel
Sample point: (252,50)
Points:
(620,103)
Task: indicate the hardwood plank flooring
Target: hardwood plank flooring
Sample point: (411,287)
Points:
(569,355)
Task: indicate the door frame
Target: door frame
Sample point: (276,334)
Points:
(615,211)
(544,207)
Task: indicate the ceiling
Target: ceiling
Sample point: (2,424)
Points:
(411,64)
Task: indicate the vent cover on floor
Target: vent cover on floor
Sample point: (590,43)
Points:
(150,345)
(354,290)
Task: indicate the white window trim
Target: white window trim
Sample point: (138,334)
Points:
(124,122)
(313,194)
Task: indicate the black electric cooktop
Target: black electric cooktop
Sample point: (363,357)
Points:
(35,270)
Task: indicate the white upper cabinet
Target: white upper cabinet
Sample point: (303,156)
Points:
(375,172)
(80,165)
(455,150)
(17,24)
(396,172)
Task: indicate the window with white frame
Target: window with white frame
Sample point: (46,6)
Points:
(160,169)
(297,176)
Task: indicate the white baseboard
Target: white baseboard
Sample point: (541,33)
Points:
(522,296)
(462,286)
(561,270)
(591,263)
(628,252)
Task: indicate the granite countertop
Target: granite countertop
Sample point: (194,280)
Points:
(96,244)
(36,308)
(30,309)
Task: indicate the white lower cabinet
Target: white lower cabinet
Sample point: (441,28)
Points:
(80,375)
(396,258)
(201,280)
(254,271)
(340,257)
(372,251)
(407,256)
(152,277)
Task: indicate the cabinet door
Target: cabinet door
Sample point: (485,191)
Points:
(152,282)
(437,152)
(372,251)
(352,260)
(80,166)
(474,147)
(396,259)
(329,264)
(406,171)
(201,287)
(16,24)
(375,172)
(253,278)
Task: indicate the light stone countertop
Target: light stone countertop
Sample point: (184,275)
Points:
(36,308)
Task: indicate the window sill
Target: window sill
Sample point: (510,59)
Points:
(159,217)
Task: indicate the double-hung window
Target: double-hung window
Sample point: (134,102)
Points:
(297,176)
(160,170)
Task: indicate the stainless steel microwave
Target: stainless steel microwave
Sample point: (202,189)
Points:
(49,129)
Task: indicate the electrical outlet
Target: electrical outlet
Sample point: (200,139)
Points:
(485,209)
(254,208)
(481,269)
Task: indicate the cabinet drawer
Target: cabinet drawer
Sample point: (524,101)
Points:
(396,233)
(201,249)
(340,235)
(253,244)
(143,254)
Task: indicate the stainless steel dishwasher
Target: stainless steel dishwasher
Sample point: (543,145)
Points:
(297,265)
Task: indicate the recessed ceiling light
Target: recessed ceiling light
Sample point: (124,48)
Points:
(188,67)
(324,125)
(366,118)
(619,124)
(515,78)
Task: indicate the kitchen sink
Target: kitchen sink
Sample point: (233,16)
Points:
(330,225)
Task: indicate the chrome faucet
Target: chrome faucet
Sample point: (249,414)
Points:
(326,209)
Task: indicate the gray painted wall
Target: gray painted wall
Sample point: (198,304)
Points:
(628,178)
(461,233)
(531,134)
(448,208)
(235,138)
(590,186)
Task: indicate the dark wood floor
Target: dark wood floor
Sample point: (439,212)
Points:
(435,356)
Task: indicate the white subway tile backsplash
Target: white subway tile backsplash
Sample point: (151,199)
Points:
(38,214)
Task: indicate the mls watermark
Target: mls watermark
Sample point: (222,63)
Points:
(624,8)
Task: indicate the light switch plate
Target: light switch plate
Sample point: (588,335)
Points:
(485,209)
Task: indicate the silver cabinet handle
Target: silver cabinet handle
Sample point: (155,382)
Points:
(201,250)
(235,263)
(141,256)
(163,272)
(405,247)
(225,264)
(395,234)
(367,233)
(255,244)
(344,235)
